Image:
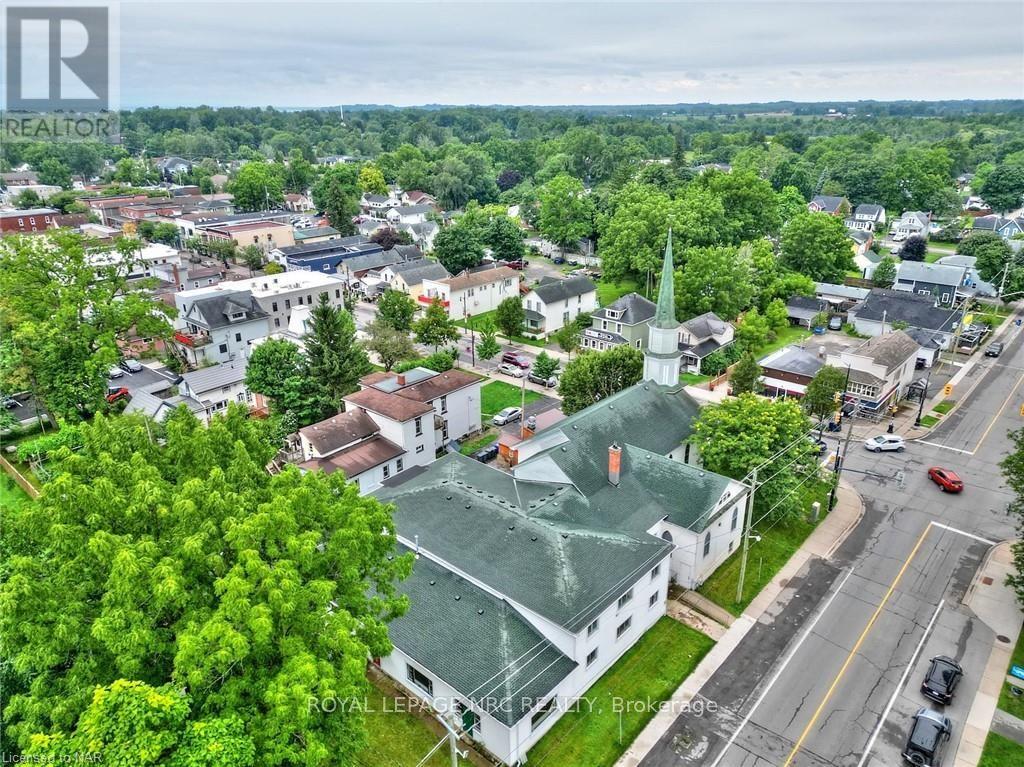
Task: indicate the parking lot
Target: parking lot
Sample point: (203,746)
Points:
(150,379)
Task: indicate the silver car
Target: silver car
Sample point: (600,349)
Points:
(886,442)
(506,416)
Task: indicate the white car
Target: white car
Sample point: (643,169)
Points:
(508,415)
(115,372)
(885,442)
(511,370)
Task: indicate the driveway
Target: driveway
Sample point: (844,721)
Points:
(150,379)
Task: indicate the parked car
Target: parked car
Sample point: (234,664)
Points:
(549,382)
(558,260)
(506,416)
(131,365)
(486,454)
(899,237)
(994,349)
(10,403)
(519,360)
(940,682)
(835,322)
(929,735)
(948,481)
(517,264)
(511,370)
(116,393)
(115,372)
(885,442)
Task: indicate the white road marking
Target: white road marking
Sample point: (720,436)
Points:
(899,687)
(793,651)
(944,447)
(963,532)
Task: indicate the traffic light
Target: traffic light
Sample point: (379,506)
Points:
(947,389)
(836,396)
(1022,409)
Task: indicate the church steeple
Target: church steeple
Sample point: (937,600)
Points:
(662,358)
(665,314)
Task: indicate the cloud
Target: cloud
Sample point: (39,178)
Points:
(312,54)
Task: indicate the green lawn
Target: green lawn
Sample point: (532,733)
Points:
(480,319)
(397,738)
(944,407)
(766,557)
(498,395)
(692,379)
(788,336)
(471,446)
(1009,702)
(609,292)
(11,496)
(649,673)
(1001,752)
(928,421)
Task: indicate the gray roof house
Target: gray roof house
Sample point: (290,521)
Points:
(622,322)
(159,408)
(553,303)
(877,313)
(825,203)
(218,385)
(943,282)
(973,279)
(701,336)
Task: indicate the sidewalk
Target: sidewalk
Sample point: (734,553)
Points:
(995,604)
(825,539)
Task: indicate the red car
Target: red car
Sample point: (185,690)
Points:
(948,481)
(113,395)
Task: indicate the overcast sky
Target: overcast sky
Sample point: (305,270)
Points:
(314,54)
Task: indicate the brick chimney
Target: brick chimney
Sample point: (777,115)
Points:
(400,378)
(614,463)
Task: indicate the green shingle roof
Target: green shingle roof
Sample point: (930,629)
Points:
(472,516)
(475,642)
(665,313)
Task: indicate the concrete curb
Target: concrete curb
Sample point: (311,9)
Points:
(692,685)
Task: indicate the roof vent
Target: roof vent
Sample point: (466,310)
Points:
(480,611)
(457,597)
(533,538)
(432,582)
(447,497)
(511,528)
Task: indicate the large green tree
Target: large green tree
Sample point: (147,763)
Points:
(336,193)
(435,328)
(166,554)
(746,375)
(459,247)
(257,186)
(335,359)
(63,309)
(510,316)
(390,345)
(1013,471)
(820,400)
(595,375)
(566,212)
(885,272)
(816,246)
(1004,187)
(396,309)
(718,279)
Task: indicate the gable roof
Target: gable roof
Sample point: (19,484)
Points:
(902,306)
(216,376)
(414,272)
(704,325)
(337,431)
(436,385)
(406,210)
(358,458)
(391,406)
(793,359)
(472,279)
(888,349)
(828,202)
(500,662)
(940,274)
(552,289)
(215,309)
(869,209)
(634,307)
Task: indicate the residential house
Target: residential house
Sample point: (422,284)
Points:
(409,214)
(354,271)
(378,205)
(973,279)
(316,234)
(866,217)
(622,322)
(26,221)
(839,298)
(472,292)
(352,442)
(19,179)
(943,282)
(701,336)
(324,257)
(803,309)
(159,408)
(416,197)
(298,203)
(864,258)
(880,370)
(603,500)
(1004,227)
(266,235)
(786,372)
(171,167)
(408,276)
(218,385)
(825,203)
(554,303)
(877,313)
(219,326)
(911,223)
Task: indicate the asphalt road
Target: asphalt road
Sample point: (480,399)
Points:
(830,675)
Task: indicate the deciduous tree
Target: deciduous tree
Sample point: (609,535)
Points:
(595,375)
(458,247)
(391,345)
(257,186)
(717,279)
(396,309)
(745,377)
(816,246)
(435,328)
(510,316)
(488,347)
(819,401)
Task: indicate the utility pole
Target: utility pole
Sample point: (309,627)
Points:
(522,410)
(840,459)
(924,396)
(746,535)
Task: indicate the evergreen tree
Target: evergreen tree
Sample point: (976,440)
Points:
(335,360)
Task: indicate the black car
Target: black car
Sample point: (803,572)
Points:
(928,738)
(994,349)
(940,682)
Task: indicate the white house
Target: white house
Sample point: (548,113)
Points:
(701,336)
(152,259)
(409,214)
(219,327)
(554,303)
(473,291)
(218,385)
(880,369)
(866,217)
(561,564)
(912,222)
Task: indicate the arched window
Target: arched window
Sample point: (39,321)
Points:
(707,543)
(666,536)
(735,516)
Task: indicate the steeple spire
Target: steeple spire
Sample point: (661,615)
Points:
(665,314)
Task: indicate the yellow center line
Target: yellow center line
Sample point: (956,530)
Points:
(998,413)
(849,658)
